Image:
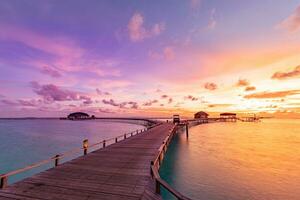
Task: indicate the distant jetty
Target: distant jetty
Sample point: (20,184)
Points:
(78,116)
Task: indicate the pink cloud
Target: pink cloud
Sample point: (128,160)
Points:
(66,54)
(292,23)
(210,86)
(137,31)
(169,53)
(192,98)
(212,20)
(195,3)
(105,110)
(55,46)
(164,96)
(285,75)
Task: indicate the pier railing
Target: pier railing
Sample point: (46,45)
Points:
(155,165)
(85,146)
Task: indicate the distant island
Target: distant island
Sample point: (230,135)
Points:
(78,116)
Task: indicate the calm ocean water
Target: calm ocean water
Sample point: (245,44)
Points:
(236,161)
(23,142)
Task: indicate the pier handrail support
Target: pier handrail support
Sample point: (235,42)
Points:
(155,165)
(4,177)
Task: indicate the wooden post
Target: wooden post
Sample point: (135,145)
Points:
(157,187)
(137,131)
(56,160)
(124,136)
(131,134)
(187,129)
(116,140)
(151,164)
(85,146)
(3,182)
(104,143)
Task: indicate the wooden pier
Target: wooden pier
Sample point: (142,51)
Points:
(127,170)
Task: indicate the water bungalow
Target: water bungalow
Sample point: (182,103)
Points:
(78,116)
(200,115)
(228,117)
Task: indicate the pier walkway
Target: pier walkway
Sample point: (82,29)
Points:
(118,171)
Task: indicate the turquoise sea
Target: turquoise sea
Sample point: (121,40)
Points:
(236,161)
(23,142)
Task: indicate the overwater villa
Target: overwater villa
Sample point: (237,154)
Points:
(78,116)
(228,117)
(200,115)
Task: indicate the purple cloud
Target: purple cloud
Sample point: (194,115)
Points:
(133,104)
(51,93)
(110,102)
(30,103)
(99,92)
(150,103)
(9,102)
(51,72)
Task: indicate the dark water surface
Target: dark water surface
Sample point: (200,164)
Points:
(236,161)
(23,142)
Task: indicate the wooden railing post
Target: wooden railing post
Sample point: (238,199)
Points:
(157,186)
(116,140)
(137,131)
(56,160)
(151,164)
(124,136)
(3,182)
(131,134)
(104,143)
(187,129)
(85,145)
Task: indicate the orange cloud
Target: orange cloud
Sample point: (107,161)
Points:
(242,82)
(219,105)
(265,95)
(210,86)
(250,88)
(285,75)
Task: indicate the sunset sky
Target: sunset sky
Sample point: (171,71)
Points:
(149,58)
